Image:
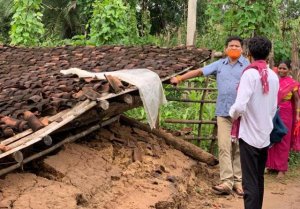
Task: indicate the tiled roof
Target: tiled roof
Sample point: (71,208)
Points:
(30,78)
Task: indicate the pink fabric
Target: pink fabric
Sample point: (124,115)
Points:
(295,146)
(286,85)
(235,129)
(261,67)
(278,154)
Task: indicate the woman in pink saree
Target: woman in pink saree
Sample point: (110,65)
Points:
(289,108)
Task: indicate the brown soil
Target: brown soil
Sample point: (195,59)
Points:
(279,194)
(134,171)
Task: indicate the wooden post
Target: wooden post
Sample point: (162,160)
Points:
(271,57)
(191,23)
(179,36)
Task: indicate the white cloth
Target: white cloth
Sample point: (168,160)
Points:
(255,108)
(147,82)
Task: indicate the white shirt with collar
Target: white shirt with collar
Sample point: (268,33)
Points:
(255,108)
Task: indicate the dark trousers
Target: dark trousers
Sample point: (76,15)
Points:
(253,161)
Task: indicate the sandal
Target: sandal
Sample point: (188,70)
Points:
(222,189)
(238,190)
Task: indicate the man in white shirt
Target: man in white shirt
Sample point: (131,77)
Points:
(256,104)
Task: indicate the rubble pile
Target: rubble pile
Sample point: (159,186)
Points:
(119,166)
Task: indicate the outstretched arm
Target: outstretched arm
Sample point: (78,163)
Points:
(190,74)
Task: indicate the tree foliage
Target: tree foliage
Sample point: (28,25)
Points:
(26,26)
(112,22)
(62,18)
(6,13)
(245,18)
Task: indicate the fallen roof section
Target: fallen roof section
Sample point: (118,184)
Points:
(31,81)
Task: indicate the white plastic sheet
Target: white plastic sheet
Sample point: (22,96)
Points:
(147,82)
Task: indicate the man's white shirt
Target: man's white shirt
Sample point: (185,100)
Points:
(255,108)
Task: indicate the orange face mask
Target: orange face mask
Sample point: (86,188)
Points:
(233,53)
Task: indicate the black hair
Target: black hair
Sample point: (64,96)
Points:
(234,38)
(286,62)
(259,47)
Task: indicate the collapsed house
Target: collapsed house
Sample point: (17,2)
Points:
(38,103)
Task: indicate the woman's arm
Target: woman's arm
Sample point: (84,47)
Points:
(296,99)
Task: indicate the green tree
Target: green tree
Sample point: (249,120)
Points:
(112,22)
(289,29)
(243,17)
(6,13)
(26,26)
(63,18)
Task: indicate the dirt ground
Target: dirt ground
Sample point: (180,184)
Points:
(121,167)
(279,194)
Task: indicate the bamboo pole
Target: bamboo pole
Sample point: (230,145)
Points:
(190,121)
(178,143)
(190,100)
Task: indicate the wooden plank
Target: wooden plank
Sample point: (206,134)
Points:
(190,121)
(179,73)
(190,100)
(58,115)
(16,137)
(38,135)
(29,131)
(190,138)
(191,89)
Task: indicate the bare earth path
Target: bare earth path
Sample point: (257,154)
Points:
(279,194)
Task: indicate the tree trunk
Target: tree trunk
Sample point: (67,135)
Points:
(271,57)
(191,23)
(178,143)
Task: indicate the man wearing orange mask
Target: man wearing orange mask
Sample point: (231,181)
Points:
(228,72)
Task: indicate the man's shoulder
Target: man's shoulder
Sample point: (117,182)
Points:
(213,66)
(244,60)
(272,74)
(251,71)
(221,61)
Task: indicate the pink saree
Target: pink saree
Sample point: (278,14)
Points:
(278,154)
